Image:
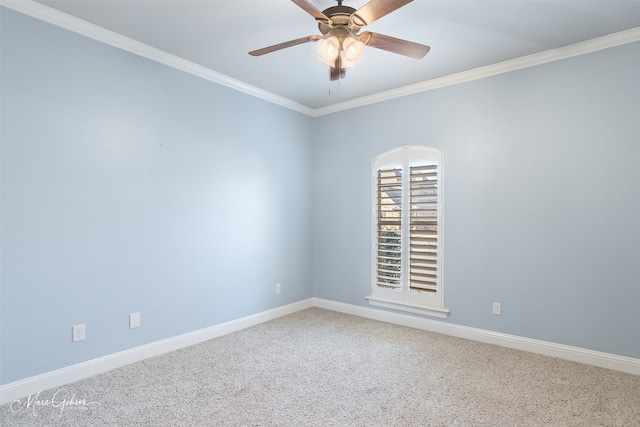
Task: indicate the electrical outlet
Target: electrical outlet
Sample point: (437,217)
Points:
(134,320)
(278,288)
(497,308)
(78,333)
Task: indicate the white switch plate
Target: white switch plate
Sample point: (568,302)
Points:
(497,308)
(278,288)
(134,320)
(78,333)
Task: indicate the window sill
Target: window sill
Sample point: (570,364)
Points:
(442,313)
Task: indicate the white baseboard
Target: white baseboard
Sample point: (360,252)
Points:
(59,377)
(32,385)
(576,354)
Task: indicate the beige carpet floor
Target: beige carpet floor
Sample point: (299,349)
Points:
(322,368)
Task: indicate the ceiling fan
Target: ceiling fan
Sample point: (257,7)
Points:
(341,43)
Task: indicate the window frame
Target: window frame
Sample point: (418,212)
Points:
(405,299)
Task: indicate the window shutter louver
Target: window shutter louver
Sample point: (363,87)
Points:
(423,226)
(389,228)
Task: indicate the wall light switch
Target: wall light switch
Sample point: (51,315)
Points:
(134,320)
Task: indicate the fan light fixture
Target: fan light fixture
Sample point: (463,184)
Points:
(350,50)
(341,44)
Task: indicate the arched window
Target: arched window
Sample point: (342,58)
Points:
(407,258)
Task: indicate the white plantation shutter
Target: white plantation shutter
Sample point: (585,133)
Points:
(389,228)
(407,227)
(423,225)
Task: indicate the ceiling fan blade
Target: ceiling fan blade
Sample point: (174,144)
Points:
(284,45)
(375,10)
(312,10)
(392,44)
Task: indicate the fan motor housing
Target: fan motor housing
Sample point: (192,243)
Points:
(339,16)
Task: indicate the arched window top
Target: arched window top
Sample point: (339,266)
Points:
(407,255)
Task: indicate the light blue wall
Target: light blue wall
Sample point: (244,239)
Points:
(128,186)
(542,198)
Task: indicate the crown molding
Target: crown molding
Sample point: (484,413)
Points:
(71,23)
(55,17)
(593,45)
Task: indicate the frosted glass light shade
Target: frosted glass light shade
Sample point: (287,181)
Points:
(329,49)
(353,49)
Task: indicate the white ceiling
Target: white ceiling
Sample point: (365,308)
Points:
(463,35)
